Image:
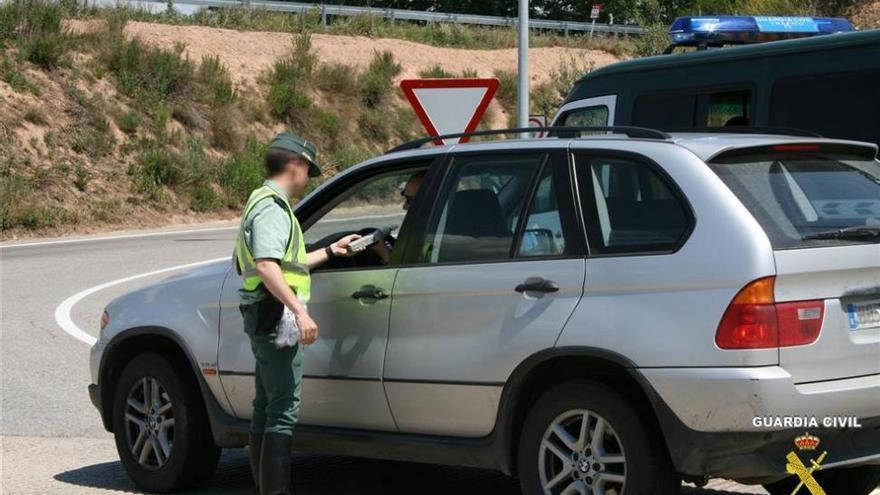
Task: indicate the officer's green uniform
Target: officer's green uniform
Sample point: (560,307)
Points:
(270,230)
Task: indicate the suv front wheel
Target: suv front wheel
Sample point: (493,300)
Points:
(161,427)
(582,437)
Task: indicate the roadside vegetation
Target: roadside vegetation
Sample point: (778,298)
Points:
(101,128)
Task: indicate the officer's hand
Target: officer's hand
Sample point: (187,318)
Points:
(308,329)
(340,247)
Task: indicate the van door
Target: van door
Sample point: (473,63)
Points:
(594,112)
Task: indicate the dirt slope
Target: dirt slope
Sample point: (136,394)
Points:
(248,54)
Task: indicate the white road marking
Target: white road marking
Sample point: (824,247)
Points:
(113,237)
(62,312)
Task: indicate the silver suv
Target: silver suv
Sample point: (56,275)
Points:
(605,313)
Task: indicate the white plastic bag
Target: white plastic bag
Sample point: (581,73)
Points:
(287,331)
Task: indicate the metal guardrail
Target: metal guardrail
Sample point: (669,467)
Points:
(408,15)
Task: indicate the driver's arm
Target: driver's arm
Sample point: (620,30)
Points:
(339,248)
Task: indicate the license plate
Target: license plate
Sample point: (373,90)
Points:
(863,315)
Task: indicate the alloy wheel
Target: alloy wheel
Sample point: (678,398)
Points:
(581,454)
(149,423)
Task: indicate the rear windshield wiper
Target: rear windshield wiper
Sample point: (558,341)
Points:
(847,233)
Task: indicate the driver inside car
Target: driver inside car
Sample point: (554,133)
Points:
(409,191)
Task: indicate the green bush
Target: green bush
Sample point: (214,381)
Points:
(13,74)
(82,176)
(336,79)
(506,94)
(327,124)
(225,124)
(243,172)
(35,25)
(375,83)
(152,73)
(44,50)
(436,71)
(216,83)
(289,81)
(653,41)
(204,198)
(129,122)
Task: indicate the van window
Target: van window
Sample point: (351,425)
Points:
(838,105)
(596,116)
(629,207)
(797,196)
(664,110)
(728,109)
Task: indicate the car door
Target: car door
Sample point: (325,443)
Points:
(343,370)
(486,286)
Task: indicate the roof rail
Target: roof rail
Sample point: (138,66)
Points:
(736,129)
(562,131)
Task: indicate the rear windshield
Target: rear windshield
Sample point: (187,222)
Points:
(801,199)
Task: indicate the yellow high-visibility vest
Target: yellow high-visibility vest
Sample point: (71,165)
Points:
(294,264)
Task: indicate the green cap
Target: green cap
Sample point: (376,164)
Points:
(301,146)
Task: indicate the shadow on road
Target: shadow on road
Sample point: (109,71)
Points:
(319,475)
(326,475)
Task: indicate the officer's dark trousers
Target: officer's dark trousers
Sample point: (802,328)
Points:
(277,381)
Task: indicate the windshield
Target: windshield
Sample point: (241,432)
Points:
(807,199)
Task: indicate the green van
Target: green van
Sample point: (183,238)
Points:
(826,84)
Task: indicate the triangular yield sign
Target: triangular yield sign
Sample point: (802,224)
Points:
(449,106)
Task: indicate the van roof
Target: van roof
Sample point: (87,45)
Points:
(772,48)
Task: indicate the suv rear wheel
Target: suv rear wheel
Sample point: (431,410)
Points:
(161,428)
(582,437)
(860,480)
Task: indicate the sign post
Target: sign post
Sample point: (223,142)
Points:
(449,106)
(594,14)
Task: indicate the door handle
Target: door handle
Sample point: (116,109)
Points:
(537,284)
(369,292)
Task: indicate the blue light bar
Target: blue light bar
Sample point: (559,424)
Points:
(729,29)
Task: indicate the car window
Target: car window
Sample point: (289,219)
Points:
(797,197)
(478,210)
(596,116)
(629,206)
(375,202)
(542,232)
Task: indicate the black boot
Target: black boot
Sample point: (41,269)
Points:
(275,464)
(255,448)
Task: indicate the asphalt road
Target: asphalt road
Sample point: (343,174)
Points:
(52,438)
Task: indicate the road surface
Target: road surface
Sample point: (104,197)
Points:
(52,438)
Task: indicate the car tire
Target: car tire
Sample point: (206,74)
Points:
(859,480)
(165,444)
(630,455)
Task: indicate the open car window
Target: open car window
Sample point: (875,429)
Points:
(373,203)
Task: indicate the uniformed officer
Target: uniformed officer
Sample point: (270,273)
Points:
(271,257)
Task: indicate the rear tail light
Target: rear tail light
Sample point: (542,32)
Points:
(799,322)
(755,321)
